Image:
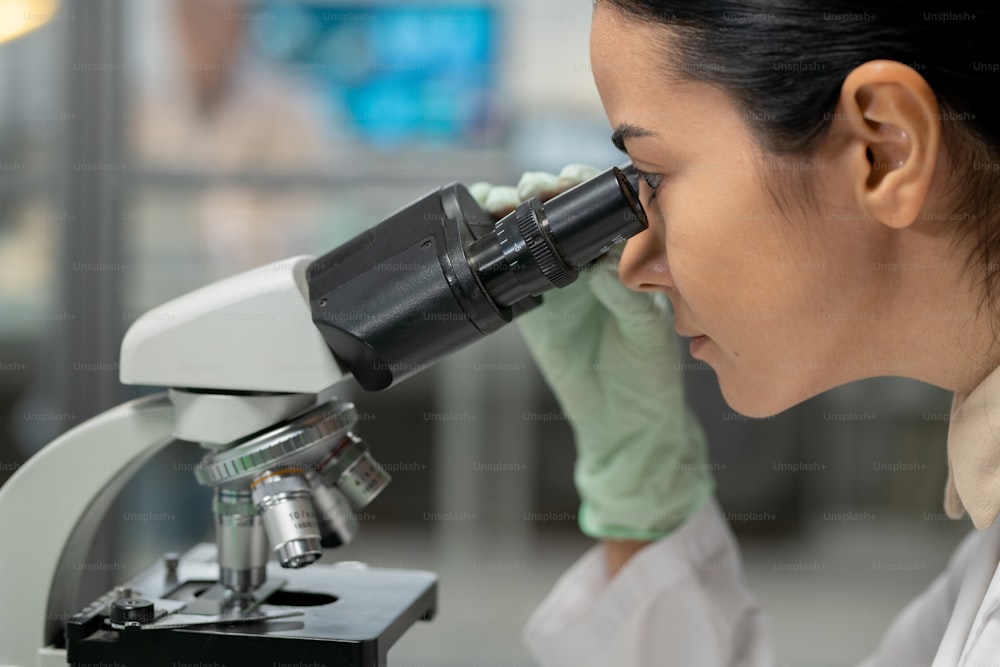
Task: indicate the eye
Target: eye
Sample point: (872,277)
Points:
(652,181)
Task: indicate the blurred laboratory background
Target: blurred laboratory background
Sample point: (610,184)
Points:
(147,148)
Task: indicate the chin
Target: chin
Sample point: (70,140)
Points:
(757,400)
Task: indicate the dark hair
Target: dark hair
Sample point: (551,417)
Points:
(783,62)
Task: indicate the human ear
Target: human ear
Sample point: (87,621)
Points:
(889,116)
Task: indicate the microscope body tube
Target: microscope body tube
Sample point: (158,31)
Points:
(440,273)
(401,294)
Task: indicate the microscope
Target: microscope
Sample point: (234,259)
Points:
(253,365)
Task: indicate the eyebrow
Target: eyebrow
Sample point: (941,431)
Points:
(626,131)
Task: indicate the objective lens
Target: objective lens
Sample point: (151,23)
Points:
(239,533)
(284,500)
(541,246)
(337,520)
(351,468)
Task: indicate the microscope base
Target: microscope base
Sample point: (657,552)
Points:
(352,616)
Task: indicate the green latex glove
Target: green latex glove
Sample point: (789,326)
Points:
(613,361)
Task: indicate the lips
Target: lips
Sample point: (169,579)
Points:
(690,335)
(698,340)
(697,343)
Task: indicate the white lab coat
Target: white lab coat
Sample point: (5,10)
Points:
(682,601)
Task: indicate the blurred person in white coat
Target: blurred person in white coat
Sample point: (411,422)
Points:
(221,110)
(801,166)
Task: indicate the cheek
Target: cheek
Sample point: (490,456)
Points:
(756,283)
(705,247)
(726,252)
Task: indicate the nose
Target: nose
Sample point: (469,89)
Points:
(643,265)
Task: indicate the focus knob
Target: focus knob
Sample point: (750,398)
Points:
(132,611)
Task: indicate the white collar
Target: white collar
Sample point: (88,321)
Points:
(974,454)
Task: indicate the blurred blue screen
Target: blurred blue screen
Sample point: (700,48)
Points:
(394,73)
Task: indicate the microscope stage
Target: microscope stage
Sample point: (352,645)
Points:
(351,616)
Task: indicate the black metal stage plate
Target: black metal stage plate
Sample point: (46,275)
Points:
(352,617)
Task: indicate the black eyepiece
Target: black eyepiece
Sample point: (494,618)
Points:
(541,246)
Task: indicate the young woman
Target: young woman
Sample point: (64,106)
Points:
(822,188)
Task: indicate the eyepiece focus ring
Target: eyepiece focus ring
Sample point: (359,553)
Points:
(534,230)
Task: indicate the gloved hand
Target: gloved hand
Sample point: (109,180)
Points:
(613,361)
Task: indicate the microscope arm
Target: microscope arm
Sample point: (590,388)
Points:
(49,539)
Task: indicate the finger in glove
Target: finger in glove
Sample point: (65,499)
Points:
(498,200)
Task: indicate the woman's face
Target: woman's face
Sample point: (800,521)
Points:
(786,297)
